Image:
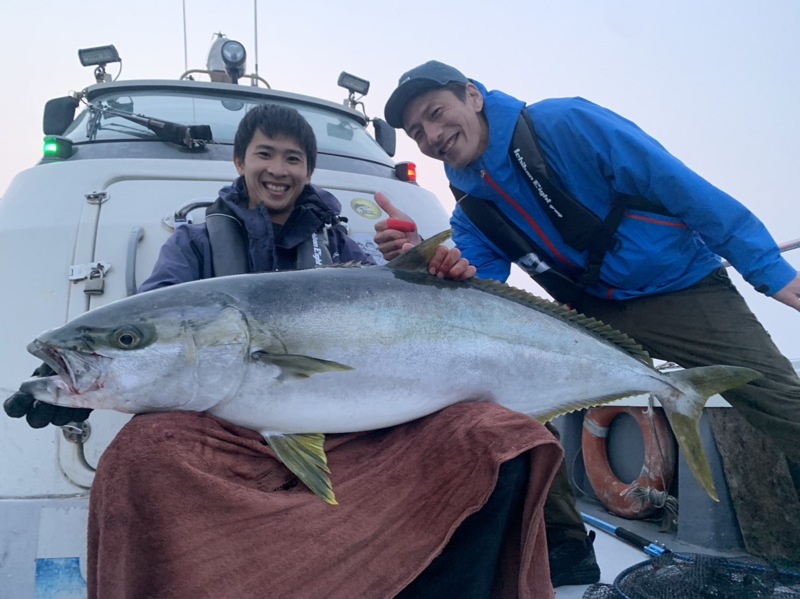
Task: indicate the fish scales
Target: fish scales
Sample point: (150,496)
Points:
(298,354)
(391,329)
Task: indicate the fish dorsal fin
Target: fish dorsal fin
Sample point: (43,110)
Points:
(348,264)
(593,326)
(417,258)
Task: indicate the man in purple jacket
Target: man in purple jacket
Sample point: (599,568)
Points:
(285,223)
(283,216)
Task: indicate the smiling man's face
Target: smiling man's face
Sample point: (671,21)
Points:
(447,128)
(275,172)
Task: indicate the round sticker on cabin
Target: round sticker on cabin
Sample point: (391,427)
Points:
(366,208)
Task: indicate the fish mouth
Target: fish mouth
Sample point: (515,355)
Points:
(81,372)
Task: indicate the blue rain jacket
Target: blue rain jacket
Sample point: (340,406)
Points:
(595,156)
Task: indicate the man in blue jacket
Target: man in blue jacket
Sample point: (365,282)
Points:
(660,277)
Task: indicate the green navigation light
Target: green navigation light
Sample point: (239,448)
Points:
(57,147)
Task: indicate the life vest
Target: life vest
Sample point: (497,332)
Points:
(228,240)
(580,228)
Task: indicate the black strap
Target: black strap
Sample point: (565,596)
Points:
(489,219)
(604,241)
(314,251)
(229,253)
(577,224)
(517,246)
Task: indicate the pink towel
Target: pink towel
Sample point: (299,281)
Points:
(185,505)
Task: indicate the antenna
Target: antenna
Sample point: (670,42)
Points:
(255,27)
(185,51)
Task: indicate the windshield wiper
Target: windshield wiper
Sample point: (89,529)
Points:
(192,137)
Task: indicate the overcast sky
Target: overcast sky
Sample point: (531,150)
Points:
(716,81)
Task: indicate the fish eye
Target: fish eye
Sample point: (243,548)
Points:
(127,338)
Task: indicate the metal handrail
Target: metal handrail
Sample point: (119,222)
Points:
(253,77)
(137,234)
(789,245)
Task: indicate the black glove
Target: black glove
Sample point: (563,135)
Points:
(40,414)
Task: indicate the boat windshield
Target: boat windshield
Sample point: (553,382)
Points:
(104,120)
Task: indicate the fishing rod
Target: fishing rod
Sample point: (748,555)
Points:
(789,245)
(652,548)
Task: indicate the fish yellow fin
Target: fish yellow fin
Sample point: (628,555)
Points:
(298,366)
(417,258)
(710,380)
(304,455)
(687,433)
(684,414)
(587,403)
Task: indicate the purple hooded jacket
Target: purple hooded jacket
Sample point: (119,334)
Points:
(186,255)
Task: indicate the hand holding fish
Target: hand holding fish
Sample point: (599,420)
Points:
(398,234)
(790,295)
(448,264)
(39,414)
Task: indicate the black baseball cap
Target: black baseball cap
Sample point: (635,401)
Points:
(431,75)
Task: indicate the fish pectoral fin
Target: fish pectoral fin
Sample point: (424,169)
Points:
(304,455)
(297,365)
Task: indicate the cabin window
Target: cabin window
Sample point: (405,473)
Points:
(336,133)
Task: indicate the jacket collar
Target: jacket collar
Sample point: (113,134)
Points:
(502,112)
(315,208)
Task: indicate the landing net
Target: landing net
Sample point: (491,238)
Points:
(694,576)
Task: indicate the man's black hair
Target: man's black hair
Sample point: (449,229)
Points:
(276,120)
(458,89)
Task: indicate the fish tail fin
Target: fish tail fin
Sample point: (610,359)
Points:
(304,455)
(696,386)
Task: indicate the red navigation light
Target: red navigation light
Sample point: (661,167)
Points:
(406,171)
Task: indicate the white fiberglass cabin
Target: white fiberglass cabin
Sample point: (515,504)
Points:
(125,163)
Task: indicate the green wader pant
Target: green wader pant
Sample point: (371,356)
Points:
(708,323)
(562,519)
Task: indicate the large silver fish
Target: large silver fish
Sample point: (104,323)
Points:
(298,354)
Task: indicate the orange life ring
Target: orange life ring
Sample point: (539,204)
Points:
(635,500)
